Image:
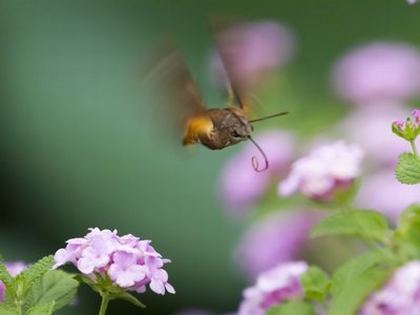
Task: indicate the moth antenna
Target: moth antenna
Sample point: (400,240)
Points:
(268,117)
(254,160)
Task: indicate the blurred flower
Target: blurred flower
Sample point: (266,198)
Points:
(278,238)
(378,71)
(411,1)
(14,268)
(240,186)
(324,171)
(370,128)
(251,50)
(408,129)
(273,287)
(382,192)
(400,296)
(130,263)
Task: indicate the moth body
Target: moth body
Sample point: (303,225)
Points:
(217,129)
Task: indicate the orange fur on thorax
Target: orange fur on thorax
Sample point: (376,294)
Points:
(195,128)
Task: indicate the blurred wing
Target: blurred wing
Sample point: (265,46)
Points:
(174,87)
(229,56)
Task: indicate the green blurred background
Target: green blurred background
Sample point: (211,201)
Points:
(80,147)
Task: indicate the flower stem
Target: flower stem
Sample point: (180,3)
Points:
(413,146)
(104,304)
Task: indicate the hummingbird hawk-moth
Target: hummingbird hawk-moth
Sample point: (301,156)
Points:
(214,128)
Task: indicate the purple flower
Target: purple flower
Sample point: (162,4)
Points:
(370,128)
(278,238)
(129,262)
(400,296)
(379,71)
(324,171)
(273,287)
(240,185)
(411,1)
(14,268)
(382,192)
(252,49)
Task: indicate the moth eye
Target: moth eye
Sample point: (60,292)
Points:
(235,134)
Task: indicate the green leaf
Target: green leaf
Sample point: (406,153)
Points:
(363,223)
(355,280)
(7,310)
(5,276)
(407,235)
(55,286)
(295,307)
(35,272)
(42,309)
(408,169)
(315,284)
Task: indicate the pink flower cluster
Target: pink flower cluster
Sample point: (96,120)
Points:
(323,171)
(400,296)
(14,268)
(273,287)
(130,263)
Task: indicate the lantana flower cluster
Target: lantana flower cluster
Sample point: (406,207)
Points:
(129,262)
(400,296)
(326,169)
(273,287)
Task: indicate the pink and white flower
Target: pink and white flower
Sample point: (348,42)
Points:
(324,171)
(273,287)
(400,296)
(129,262)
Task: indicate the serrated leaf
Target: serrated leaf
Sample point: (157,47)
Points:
(355,280)
(6,310)
(316,284)
(363,223)
(35,272)
(42,309)
(408,169)
(296,307)
(55,286)
(5,276)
